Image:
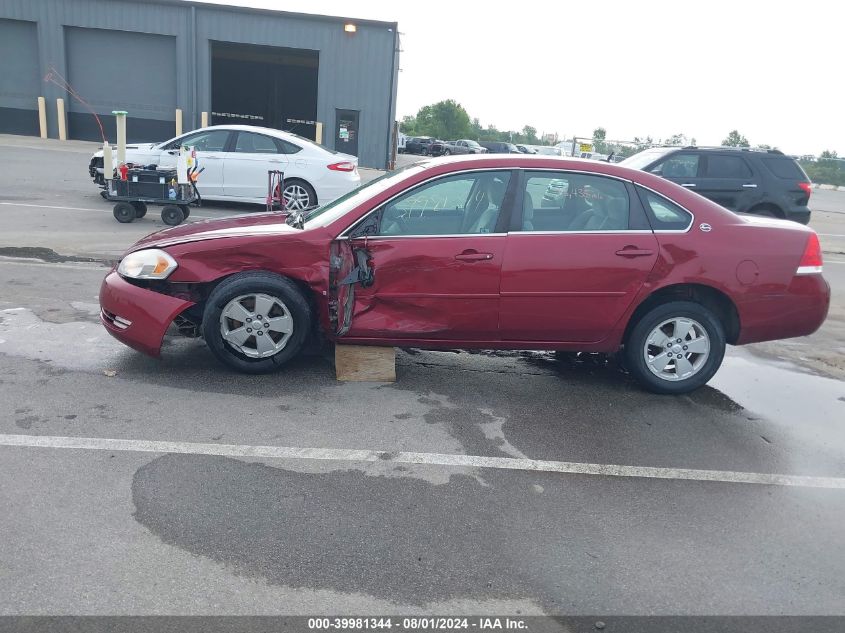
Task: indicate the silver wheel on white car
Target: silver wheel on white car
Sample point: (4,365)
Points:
(299,196)
(256,325)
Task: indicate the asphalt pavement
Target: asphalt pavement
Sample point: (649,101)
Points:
(480,483)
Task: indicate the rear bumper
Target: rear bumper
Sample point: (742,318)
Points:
(135,316)
(799,312)
(798,215)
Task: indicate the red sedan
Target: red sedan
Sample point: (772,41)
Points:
(498,252)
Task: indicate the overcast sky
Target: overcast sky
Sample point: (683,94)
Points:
(773,70)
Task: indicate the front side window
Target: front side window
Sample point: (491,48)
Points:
(454,205)
(250,143)
(727,167)
(570,202)
(663,214)
(678,166)
(210,141)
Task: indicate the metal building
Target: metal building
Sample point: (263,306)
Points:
(249,66)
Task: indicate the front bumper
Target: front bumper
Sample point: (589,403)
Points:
(136,316)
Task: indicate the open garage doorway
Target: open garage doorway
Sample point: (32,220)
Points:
(264,85)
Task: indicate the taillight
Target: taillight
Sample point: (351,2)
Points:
(344,166)
(806,187)
(811,260)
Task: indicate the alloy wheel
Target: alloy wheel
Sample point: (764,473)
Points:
(256,325)
(677,349)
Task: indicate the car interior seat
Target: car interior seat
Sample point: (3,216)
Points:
(527,213)
(487,214)
(617,215)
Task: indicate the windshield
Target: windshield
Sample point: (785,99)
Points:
(473,144)
(323,216)
(646,157)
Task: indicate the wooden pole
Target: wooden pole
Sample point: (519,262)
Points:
(178,122)
(204,119)
(318,135)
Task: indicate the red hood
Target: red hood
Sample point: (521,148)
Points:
(239,226)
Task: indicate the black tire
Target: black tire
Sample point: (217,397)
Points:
(124,212)
(635,346)
(447,152)
(766,211)
(140,209)
(185,209)
(172,215)
(312,195)
(256,282)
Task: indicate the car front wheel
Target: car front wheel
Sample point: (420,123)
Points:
(675,348)
(256,322)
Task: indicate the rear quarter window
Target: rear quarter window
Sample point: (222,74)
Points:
(664,214)
(786,168)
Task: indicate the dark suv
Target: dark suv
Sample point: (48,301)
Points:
(763,182)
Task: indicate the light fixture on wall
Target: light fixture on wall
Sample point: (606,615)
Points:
(350,28)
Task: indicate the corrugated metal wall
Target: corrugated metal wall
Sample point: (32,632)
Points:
(356,71)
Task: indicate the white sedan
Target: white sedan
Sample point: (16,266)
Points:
(237,158)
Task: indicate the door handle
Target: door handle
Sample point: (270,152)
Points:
(750,186)
(473,256)
(633,251)
(688,184)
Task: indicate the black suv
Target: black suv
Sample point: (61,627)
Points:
(763,182)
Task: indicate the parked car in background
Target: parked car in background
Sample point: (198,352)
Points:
(464,146)
(436,148)
(460,253)
(549,151)
(762,182)
(418,144)
(524,149)
(497,147)
(236,159)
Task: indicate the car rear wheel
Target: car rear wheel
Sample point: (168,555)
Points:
(299,195)
(675,347)
(256,322)
(767,211)
(447,152)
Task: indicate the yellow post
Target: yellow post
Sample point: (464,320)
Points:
(60,110)
(42,116)
(204,120)
(178,122)
(318,136)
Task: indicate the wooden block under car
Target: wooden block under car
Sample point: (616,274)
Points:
(365,363)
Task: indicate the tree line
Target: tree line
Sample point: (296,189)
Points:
(448,120)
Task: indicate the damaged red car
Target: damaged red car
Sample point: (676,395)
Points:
(498,252)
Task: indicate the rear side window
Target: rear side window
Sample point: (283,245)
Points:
(678,166)
(785,167)
(727,167)
(663,214)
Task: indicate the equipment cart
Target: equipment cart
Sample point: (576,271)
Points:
(149,186)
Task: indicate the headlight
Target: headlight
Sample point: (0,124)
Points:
(150,263)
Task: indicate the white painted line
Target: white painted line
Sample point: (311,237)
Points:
(435,459)
(44,206)
(37,262)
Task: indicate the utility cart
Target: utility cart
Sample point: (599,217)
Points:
(141,187)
